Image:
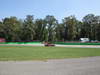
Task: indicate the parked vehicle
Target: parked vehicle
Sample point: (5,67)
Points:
(84,40)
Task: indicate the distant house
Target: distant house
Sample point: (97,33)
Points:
(84,39)
(2,40)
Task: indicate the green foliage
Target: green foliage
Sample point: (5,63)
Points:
(11,28)
(51,23)
(40,30)
(28,28)
(49,29)
(90,26)
(70,25)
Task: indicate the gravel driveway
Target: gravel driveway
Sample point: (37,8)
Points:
(74,66)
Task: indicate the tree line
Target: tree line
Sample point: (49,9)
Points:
(49,29)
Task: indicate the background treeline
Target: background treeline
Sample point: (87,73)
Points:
(49,29)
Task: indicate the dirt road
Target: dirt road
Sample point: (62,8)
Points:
(76,66)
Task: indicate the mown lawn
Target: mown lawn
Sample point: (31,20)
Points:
(43,53)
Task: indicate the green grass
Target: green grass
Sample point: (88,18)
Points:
(43,53)
(63,43)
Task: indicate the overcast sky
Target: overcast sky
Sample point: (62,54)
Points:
(41,8)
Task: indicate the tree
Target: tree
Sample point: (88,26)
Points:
(51,24)
(49,29)
(11,29)
(60,32)
(28,28)
(78,30)
(89,26)
(97,28)
(41,31)
(70,25)
(98,32)
(1,30)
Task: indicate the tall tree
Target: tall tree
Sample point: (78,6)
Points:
(70,25)
(51,24)
(28,28)
(97,28)
(60,32)
(78,30)
(11,29)
(89,26)
(41,31)
(1,30)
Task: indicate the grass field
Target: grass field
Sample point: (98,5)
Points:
(43,53)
